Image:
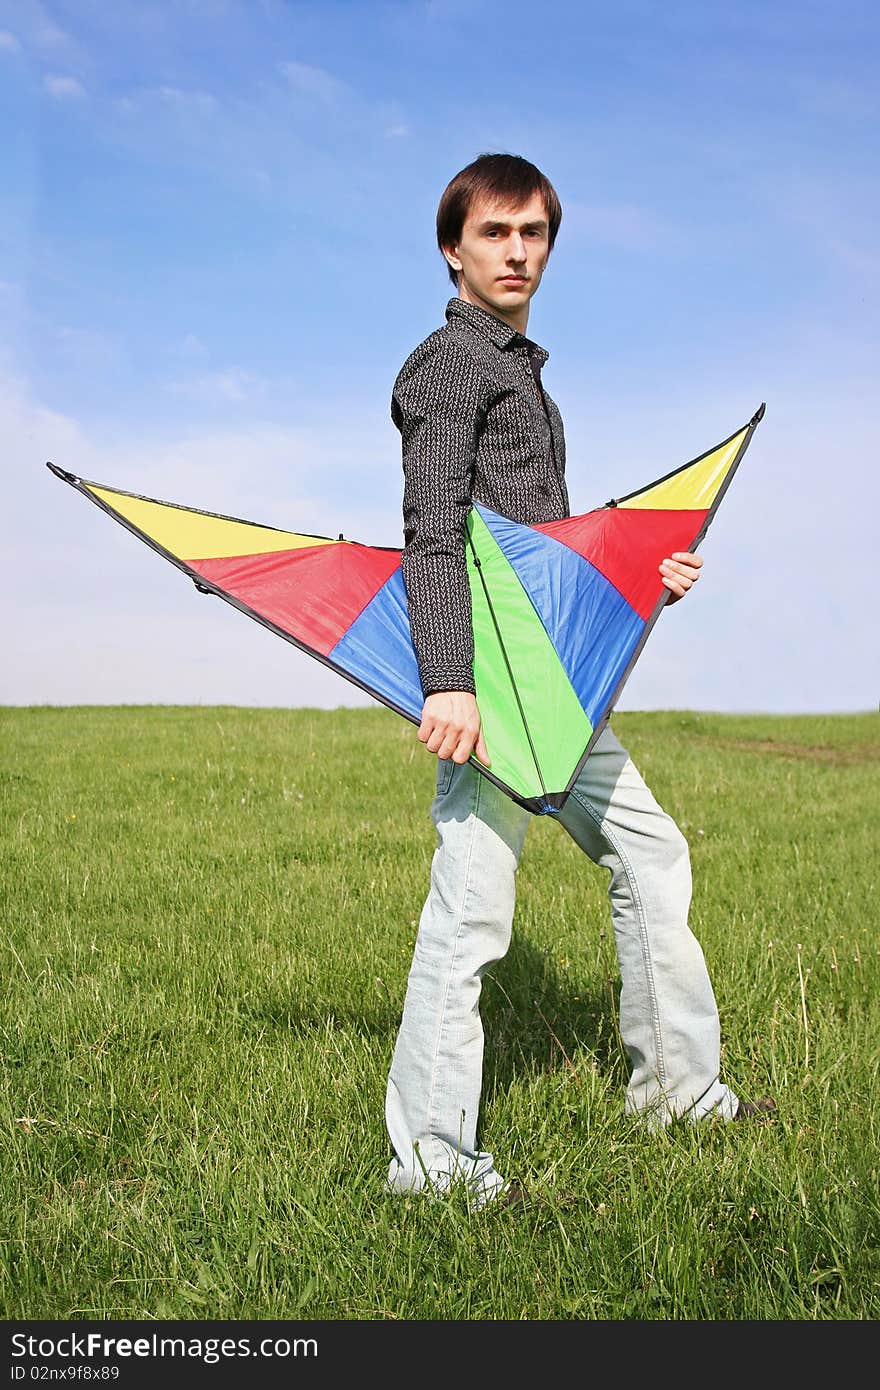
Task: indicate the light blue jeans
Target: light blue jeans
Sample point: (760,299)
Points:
(668,1015)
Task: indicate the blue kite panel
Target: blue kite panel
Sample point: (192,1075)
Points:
(592,627)
(378,649)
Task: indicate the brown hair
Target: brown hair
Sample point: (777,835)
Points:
(501,177)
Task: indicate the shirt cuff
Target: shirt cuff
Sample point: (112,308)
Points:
(443,678)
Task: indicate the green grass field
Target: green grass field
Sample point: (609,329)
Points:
(207,922)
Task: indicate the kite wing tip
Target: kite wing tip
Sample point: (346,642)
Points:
(61,473)
(759,413)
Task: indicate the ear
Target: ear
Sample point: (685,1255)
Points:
(451,256)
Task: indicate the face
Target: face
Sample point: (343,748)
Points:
(501,257)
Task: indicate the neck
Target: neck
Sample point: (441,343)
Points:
(514,318)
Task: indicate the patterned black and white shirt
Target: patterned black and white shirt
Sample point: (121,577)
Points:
(476,425)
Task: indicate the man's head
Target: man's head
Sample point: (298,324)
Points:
(496,225)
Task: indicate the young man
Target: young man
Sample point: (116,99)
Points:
(477,424)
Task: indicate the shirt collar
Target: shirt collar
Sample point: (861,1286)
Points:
(496,330)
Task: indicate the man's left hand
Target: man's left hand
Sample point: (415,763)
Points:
(679,573)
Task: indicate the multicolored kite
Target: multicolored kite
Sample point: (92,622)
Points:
(561,611)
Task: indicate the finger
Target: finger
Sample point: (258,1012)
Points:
(671,569)
(464,746)
(456,743)
(435,740)
(482,751)
(674,566)
(688,558)
(675,586)
(449,748)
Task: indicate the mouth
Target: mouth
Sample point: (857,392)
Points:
(512,279)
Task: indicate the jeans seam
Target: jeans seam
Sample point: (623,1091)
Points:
(432,1090)
(643,932)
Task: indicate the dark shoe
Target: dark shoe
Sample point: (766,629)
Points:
(511,1196)
(763,1109)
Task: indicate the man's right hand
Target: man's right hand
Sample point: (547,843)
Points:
(451,726)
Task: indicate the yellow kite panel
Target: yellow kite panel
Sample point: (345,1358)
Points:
(195,536)
(693,488)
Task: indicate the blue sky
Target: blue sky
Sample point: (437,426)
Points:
(217,247)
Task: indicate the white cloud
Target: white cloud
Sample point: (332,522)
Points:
(233,385)
(37,25)
(62,88)
(190,345)
(89,349)
(49,35)
(93,617)
(193,100)
(312,81)
(261,140)
(186,103)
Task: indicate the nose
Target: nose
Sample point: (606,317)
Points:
(516,248)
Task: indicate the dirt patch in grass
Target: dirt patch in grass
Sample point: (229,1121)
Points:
(809,752)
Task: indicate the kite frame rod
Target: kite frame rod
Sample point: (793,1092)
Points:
(522,714)
(205,586)
(551,802)
(758,416)
(665,596)
(85,483)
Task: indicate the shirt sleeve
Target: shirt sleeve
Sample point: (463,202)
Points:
(438,404)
